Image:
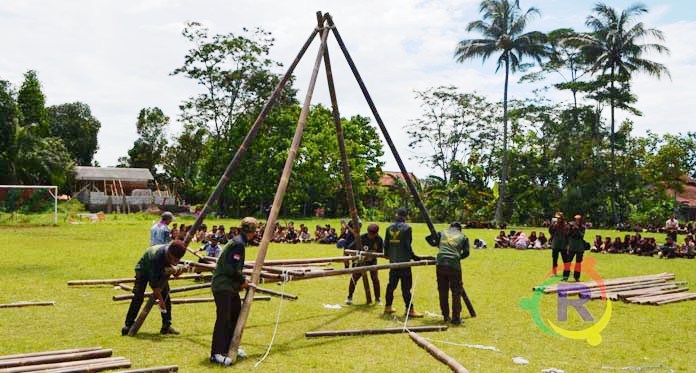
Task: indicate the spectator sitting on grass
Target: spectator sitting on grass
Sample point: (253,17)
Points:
(212,248)
(669,249)
(304,234)
(220,235)
(291,234)
(532,239)
(597,244)
(501,241)
(616,246)
(542,241)
(521,242)
(606,245)
(480,244)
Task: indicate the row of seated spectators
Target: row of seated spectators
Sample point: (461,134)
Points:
(637,245)
(521,241)
(689,228)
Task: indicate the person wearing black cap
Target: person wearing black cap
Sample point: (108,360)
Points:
(154,268)
(397,247)
(373,243)
(453,247)
(228,281)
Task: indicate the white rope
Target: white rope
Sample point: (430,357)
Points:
(410,303)
(275,329)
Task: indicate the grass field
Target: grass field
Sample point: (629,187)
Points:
(37,262)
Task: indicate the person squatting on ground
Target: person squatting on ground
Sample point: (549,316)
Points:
(453,247)
(159,233)
(152,268)
(559,239)
(397,247)
(228,281)
(373,243)
(576,248)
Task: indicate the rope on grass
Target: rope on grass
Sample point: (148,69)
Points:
(275,328)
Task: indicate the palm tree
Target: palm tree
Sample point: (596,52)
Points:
(502,28)
(617,46)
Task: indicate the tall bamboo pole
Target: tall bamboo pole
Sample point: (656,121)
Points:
(432,239)
(277,201)
(241,151)
(347,182)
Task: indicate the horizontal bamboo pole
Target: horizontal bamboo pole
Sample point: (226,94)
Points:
(277,262)
(171,291)
(55,358)
(162,369)
(616,288)
(276,293)
(612,281)
(281,270)
(27,304)
(211,267)
(685,296)
(647,298)
(125,287)
(437,353)
(210,299)
(632,293)
(127,280)
(33,368)
(351,332)
(89,368)
(365,253)
(348,271)
(47,353)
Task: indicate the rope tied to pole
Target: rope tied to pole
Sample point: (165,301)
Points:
(275,328)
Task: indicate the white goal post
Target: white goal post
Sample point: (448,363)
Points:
(52,190)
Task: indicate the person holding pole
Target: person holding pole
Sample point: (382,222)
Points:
(397,247)
(453,247)
(154,268)
(228,281)
(371,243)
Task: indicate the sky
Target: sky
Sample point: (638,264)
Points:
(117,56)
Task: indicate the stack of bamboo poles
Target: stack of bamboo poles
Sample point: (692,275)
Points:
(76,360)
(654,289)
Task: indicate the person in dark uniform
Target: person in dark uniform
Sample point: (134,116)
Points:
(453,247)
(154,268)
(373,243)
(228,281)
(397,247)
(559,239)
(576,248)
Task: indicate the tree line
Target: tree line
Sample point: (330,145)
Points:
(511,161)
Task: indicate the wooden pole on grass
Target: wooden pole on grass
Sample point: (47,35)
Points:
(438,354)
(351,332)
(95,354)
(162,369)
(42,367)
(47,353)
(27,304)
(347,182)
(277,201)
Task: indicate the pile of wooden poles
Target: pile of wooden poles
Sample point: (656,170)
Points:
(657,289)
(76,360)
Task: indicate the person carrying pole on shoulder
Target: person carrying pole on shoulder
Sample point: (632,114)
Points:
(154,268)
(453,247)
(228,281)
(397,247)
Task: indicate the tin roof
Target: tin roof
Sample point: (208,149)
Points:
(112,173)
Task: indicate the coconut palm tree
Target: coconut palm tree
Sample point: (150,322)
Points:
(502,28)
(617,45)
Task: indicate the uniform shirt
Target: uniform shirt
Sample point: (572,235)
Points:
(160,234)
(211,250)
(397,243)
(576,239)
(228,276)
(375,245)
(453,247)
(152,264)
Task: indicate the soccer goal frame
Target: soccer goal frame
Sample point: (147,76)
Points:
(52,190)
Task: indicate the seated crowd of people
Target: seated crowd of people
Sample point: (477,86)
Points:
(521,241)
(638,245)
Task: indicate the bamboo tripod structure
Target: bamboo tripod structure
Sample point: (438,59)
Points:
(325,25)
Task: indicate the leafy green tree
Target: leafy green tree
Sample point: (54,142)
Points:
(617,46)
(32,104)
(148,150)
(9,114)
(502,28)
(78,128)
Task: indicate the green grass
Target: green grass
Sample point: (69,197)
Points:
(37,262)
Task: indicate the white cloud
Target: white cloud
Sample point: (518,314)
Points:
(117,56)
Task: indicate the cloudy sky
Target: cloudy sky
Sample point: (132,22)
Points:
(116,56)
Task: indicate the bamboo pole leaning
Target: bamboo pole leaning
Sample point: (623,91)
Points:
(347,271)
(353,332)
(277,201)
(437,353)
(27,304)
(67,364)
(9,363)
